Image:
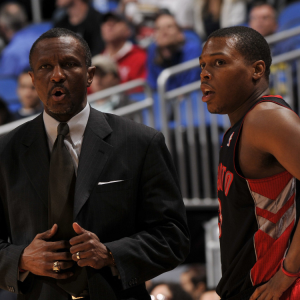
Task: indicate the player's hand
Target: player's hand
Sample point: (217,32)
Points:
(274,288)
(91,251)
(39,256)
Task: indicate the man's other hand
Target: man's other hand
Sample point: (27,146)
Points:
(274,288)
(39,256)
(92,252)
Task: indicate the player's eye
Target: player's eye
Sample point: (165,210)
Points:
(44,66)
(202,66)
(220,62)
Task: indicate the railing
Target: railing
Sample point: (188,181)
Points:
(195,143)
(141,111)
(283,35)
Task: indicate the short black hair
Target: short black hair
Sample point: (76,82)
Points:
(59,32)
(250,43)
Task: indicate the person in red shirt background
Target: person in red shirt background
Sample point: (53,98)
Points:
(130,58)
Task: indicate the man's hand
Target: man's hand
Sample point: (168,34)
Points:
(39,256)
(274,288)
(92,252)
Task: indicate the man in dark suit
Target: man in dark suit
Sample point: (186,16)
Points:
(128,218)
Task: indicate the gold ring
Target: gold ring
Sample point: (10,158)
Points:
(78,255)
(56,266)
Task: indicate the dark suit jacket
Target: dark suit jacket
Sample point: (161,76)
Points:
(141,219)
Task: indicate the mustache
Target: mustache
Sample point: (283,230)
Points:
(206,83)
(58,85)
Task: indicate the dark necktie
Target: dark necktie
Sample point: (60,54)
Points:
(61,203)
(61,187)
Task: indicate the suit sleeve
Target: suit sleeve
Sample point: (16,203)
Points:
(163,241)
(9,257)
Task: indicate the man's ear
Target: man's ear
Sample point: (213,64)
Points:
(32,77)
(259,69)
(90,73)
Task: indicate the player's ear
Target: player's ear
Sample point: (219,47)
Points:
(259,68)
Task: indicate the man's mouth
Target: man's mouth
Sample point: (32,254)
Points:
(207,92)
(58,94)
(207,95)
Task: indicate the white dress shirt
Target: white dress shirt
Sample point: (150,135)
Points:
(73,140)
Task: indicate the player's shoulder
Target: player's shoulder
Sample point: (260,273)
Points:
(271,114)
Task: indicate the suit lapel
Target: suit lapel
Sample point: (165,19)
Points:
(94,154)
(35,157)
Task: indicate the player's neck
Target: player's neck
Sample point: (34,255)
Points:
(236,115)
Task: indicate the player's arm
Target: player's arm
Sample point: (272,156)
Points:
(277,131)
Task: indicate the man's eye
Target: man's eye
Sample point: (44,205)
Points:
(70,64)
(220,62)
(202,66)
(44,66)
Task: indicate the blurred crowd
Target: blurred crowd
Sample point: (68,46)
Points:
(129,39)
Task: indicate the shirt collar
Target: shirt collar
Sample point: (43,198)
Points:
(77,126)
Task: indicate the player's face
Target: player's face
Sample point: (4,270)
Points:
(61,77)
(226,78)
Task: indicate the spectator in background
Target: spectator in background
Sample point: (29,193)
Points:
(171,47)
(131,59)
(83,19)
(19,38)
(210,15)
(106,76)
(183,12)
(12,19)
(193,281)
(28,97)
(169,291)
(263,18)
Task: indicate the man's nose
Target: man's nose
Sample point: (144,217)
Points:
(205,74)
(58,74)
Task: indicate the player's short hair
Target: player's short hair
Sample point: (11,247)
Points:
(251,44)
(63,32)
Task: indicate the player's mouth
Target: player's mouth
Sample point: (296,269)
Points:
(208,93)
(58,94)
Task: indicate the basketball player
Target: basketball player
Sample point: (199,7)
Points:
(259,160)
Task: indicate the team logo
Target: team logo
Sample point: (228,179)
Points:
(230,138)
